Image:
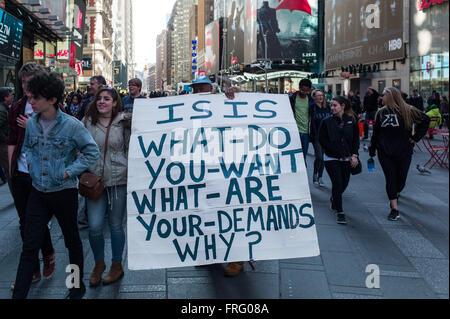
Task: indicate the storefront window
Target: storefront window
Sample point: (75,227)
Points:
(430,73)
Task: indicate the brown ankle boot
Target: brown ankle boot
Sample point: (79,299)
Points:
(96,276)
(114,274)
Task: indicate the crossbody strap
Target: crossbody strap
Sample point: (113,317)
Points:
(106,148)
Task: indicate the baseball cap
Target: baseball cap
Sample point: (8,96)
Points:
(201,80)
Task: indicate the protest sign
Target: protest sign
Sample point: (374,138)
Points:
(212,180)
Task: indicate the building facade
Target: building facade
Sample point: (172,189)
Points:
(48,32)
(429,47)
(123,40)
(99,41)
(181,44)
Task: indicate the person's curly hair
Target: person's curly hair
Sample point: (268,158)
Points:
(47,85)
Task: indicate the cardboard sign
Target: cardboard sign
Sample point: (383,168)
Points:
(212,180)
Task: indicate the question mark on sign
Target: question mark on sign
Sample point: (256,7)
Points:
(251,244)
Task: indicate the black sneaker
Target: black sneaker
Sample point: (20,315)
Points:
(77,293)
(340,218)
(394,215)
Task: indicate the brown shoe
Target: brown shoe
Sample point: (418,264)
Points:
(233,269)
(115,273)
(96,276)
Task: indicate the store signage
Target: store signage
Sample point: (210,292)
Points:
(424,4)
(87,64)
(10,36)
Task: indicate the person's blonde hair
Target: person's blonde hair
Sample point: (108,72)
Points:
(395,101)
(324,103)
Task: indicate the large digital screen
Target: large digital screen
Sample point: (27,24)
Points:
(362,32)
(10,36)
(289,27)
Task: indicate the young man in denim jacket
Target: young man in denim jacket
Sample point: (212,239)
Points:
(52,141)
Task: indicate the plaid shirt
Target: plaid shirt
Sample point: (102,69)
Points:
(16,134)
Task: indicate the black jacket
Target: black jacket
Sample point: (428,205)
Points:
(339,142)
(391,137)
(371,102)
(416,102)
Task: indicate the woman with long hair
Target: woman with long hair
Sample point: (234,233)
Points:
(339,138)
(320,110)
(74,105)
(397,128)
(106,123)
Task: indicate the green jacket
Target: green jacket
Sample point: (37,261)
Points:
(3,123)
(435,116)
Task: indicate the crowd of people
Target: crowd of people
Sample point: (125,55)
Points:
(52,145)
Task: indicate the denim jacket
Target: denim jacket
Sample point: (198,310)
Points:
(48,160)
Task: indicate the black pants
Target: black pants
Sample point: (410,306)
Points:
(339,173)
(369,116)
(41,207)
(395,171)
(21,188)
(319,164)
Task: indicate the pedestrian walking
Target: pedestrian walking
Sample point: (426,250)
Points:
(370,107)
(443,107)
(320,110)
(300,102)
(135,88)
(6,97)
(397,128)
(111,130)
(339,138)
(416,100)
(21,183)
(95,83)
(74,105)
(52,140)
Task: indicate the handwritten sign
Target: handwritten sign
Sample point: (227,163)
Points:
(212,180)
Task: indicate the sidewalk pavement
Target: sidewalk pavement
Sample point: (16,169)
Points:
(412,253)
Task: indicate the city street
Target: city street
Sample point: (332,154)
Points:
(412,253)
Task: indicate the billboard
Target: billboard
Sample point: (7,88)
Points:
(363,31)
(212,47)
(291,29)
(10,36)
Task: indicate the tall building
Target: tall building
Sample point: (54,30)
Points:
(161,58)
(181,43)
(123,41)
(99,43)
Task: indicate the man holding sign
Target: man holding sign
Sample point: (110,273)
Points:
(204,85)
(213,180)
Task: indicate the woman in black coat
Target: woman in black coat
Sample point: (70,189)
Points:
(339,138)
(398,127)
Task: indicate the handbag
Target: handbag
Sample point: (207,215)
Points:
(357,169)
(92,186)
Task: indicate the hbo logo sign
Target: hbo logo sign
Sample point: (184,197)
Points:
(395,44)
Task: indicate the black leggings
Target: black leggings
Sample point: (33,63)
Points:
(395,171)
(318,162)
(339,173)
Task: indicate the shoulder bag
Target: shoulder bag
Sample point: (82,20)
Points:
(92,186)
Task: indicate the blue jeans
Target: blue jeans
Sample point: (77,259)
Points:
(304,137)
(113,202)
